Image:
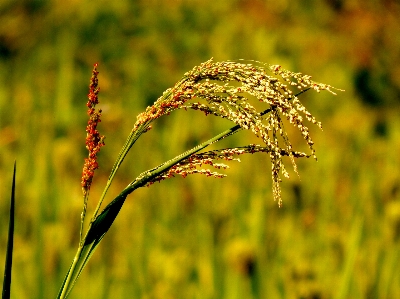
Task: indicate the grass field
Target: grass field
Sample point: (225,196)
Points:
(338,232)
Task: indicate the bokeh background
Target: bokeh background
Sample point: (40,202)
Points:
(337,234)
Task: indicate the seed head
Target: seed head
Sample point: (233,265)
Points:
(94,141)
(212,88)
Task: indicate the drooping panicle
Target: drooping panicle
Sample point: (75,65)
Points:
(227,90)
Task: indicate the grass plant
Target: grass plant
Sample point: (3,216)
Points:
(254,96)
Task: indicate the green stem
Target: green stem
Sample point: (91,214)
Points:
(102,222)
(132,138)
(67,281)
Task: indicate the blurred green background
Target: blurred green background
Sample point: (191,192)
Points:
(337,234)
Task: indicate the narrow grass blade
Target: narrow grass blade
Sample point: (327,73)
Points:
(95,234)
(10,243)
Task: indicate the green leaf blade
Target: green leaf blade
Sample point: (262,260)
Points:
(10,243)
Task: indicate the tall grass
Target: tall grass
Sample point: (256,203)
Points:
(210,83)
